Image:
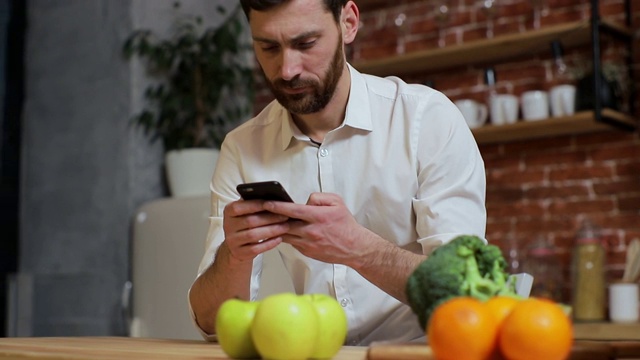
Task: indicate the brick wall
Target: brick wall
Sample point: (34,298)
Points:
(537,187)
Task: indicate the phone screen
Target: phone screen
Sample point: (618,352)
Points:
(266,190)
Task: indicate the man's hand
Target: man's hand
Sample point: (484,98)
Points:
(328,232)
(249,230)
(325,231)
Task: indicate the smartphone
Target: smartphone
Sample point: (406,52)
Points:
(265,190)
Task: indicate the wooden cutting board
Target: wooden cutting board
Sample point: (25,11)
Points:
(400,351)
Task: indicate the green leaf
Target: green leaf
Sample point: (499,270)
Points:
(193,71)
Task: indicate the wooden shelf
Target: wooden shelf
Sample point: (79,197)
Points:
(582,122)
(606,331)
(487,50)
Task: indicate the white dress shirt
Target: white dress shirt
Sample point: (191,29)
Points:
(407,167)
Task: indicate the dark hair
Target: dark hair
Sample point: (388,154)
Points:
(333,6)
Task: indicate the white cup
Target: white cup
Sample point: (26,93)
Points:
(474,113)
(563,99)
(503,109)
(535,105)
(623,302)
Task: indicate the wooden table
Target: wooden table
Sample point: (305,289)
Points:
(123,348)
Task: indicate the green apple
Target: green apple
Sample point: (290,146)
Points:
(332,325)
(285,327)
(233,328)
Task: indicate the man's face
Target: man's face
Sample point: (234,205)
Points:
(299,47)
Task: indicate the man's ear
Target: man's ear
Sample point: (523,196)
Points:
(349,22)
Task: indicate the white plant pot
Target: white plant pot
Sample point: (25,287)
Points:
(189,171)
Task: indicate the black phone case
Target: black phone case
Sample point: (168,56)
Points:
(266,190)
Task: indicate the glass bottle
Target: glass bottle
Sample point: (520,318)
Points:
(494,100)
(588,277)
(560,70)
(490,81)
(544,265)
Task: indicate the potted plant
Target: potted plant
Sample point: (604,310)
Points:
(197,73)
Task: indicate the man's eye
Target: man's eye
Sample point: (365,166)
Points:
(269,48)
(306,44)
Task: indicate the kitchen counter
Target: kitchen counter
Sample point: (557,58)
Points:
(123,348)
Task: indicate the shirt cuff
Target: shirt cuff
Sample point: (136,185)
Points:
(206,336)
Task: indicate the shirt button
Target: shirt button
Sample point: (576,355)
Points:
(344,302)
(324,152)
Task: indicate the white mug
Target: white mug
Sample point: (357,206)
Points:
(535,105)
(563,99)
(474,113)
(623,302)
(504,109)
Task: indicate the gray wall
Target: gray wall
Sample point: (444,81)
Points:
(5,9)
(85,170)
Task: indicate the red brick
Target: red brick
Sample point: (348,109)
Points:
(631,235)
(535,225)
(618,187)
(629,204)
(606,138)
(502,163)
(578,207)
(559,17)
(554,158)
(509,177)
(581,172)
(554,192)
(498,226)
(490,150)
(629,169)
(611,10)
(566,239)
(462,79)
(503,194)
(535,145)
(517,209)
(616,152)
(627,221)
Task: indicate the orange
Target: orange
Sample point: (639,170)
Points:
(536,329)
(462,328)
(501,306)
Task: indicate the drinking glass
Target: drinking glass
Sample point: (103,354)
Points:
(539,9)
(401,23)
(402,31)
(489,7)
(442,15)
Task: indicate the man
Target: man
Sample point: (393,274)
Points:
(381,172)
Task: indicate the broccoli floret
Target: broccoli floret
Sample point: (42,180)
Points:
(465,266)
(475,284)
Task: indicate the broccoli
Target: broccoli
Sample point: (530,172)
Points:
(466,266)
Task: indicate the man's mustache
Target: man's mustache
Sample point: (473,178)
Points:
(295,83)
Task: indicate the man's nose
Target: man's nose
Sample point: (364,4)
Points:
(291,65)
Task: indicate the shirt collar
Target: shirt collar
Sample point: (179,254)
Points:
(357,115)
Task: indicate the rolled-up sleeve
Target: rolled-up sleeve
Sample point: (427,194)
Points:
(452,183)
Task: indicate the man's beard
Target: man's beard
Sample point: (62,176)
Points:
(309,103)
